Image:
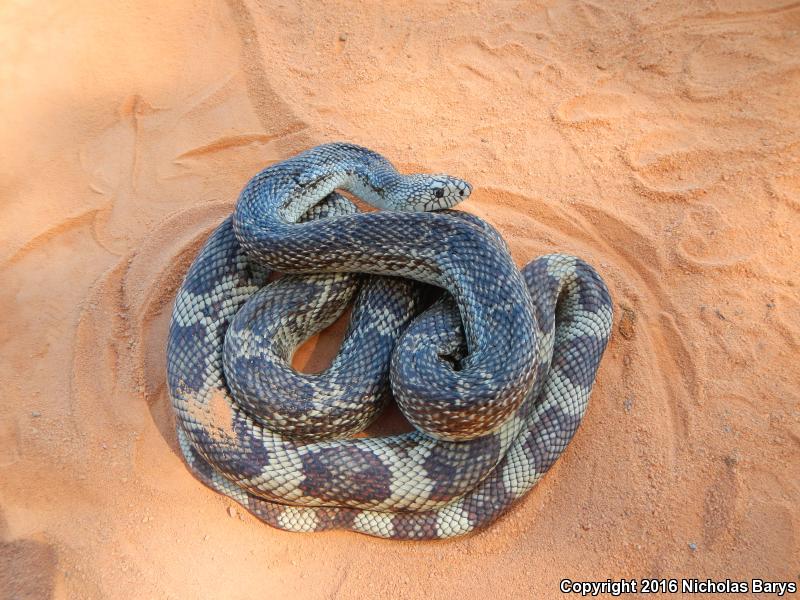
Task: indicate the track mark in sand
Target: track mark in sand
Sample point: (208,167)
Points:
(725,324)
(533,226)
(719,506)
(672,163)
(683,368)
(236,141)
(595,15)
(659,331)
(710,242)
(86,219)
(584,18)
(766,519)
(478,62)
(269,108)
(120,342)
(592,109)
(132,111)
(743,16)
(717,67)
(783,318)
(10,448)
(638,249)
(786,187)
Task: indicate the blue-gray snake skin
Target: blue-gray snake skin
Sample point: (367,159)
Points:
(494,373)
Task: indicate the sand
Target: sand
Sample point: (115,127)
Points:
(659,141)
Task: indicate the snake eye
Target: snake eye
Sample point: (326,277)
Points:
(439,193)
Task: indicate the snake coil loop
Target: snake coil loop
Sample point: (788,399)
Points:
(494,372)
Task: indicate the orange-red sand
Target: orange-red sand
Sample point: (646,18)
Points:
(659,141)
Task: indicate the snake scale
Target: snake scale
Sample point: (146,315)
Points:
(493,366)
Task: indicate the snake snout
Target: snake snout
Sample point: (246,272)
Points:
(448,191)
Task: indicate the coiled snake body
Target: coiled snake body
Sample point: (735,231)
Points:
(494,375)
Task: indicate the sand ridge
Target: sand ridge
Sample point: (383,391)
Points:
(656,141)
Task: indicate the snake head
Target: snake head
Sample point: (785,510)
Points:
(431,192)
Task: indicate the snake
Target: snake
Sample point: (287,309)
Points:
(491,365)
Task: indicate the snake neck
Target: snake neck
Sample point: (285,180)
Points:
(348,167)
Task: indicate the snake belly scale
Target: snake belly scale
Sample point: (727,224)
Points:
(494,372)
